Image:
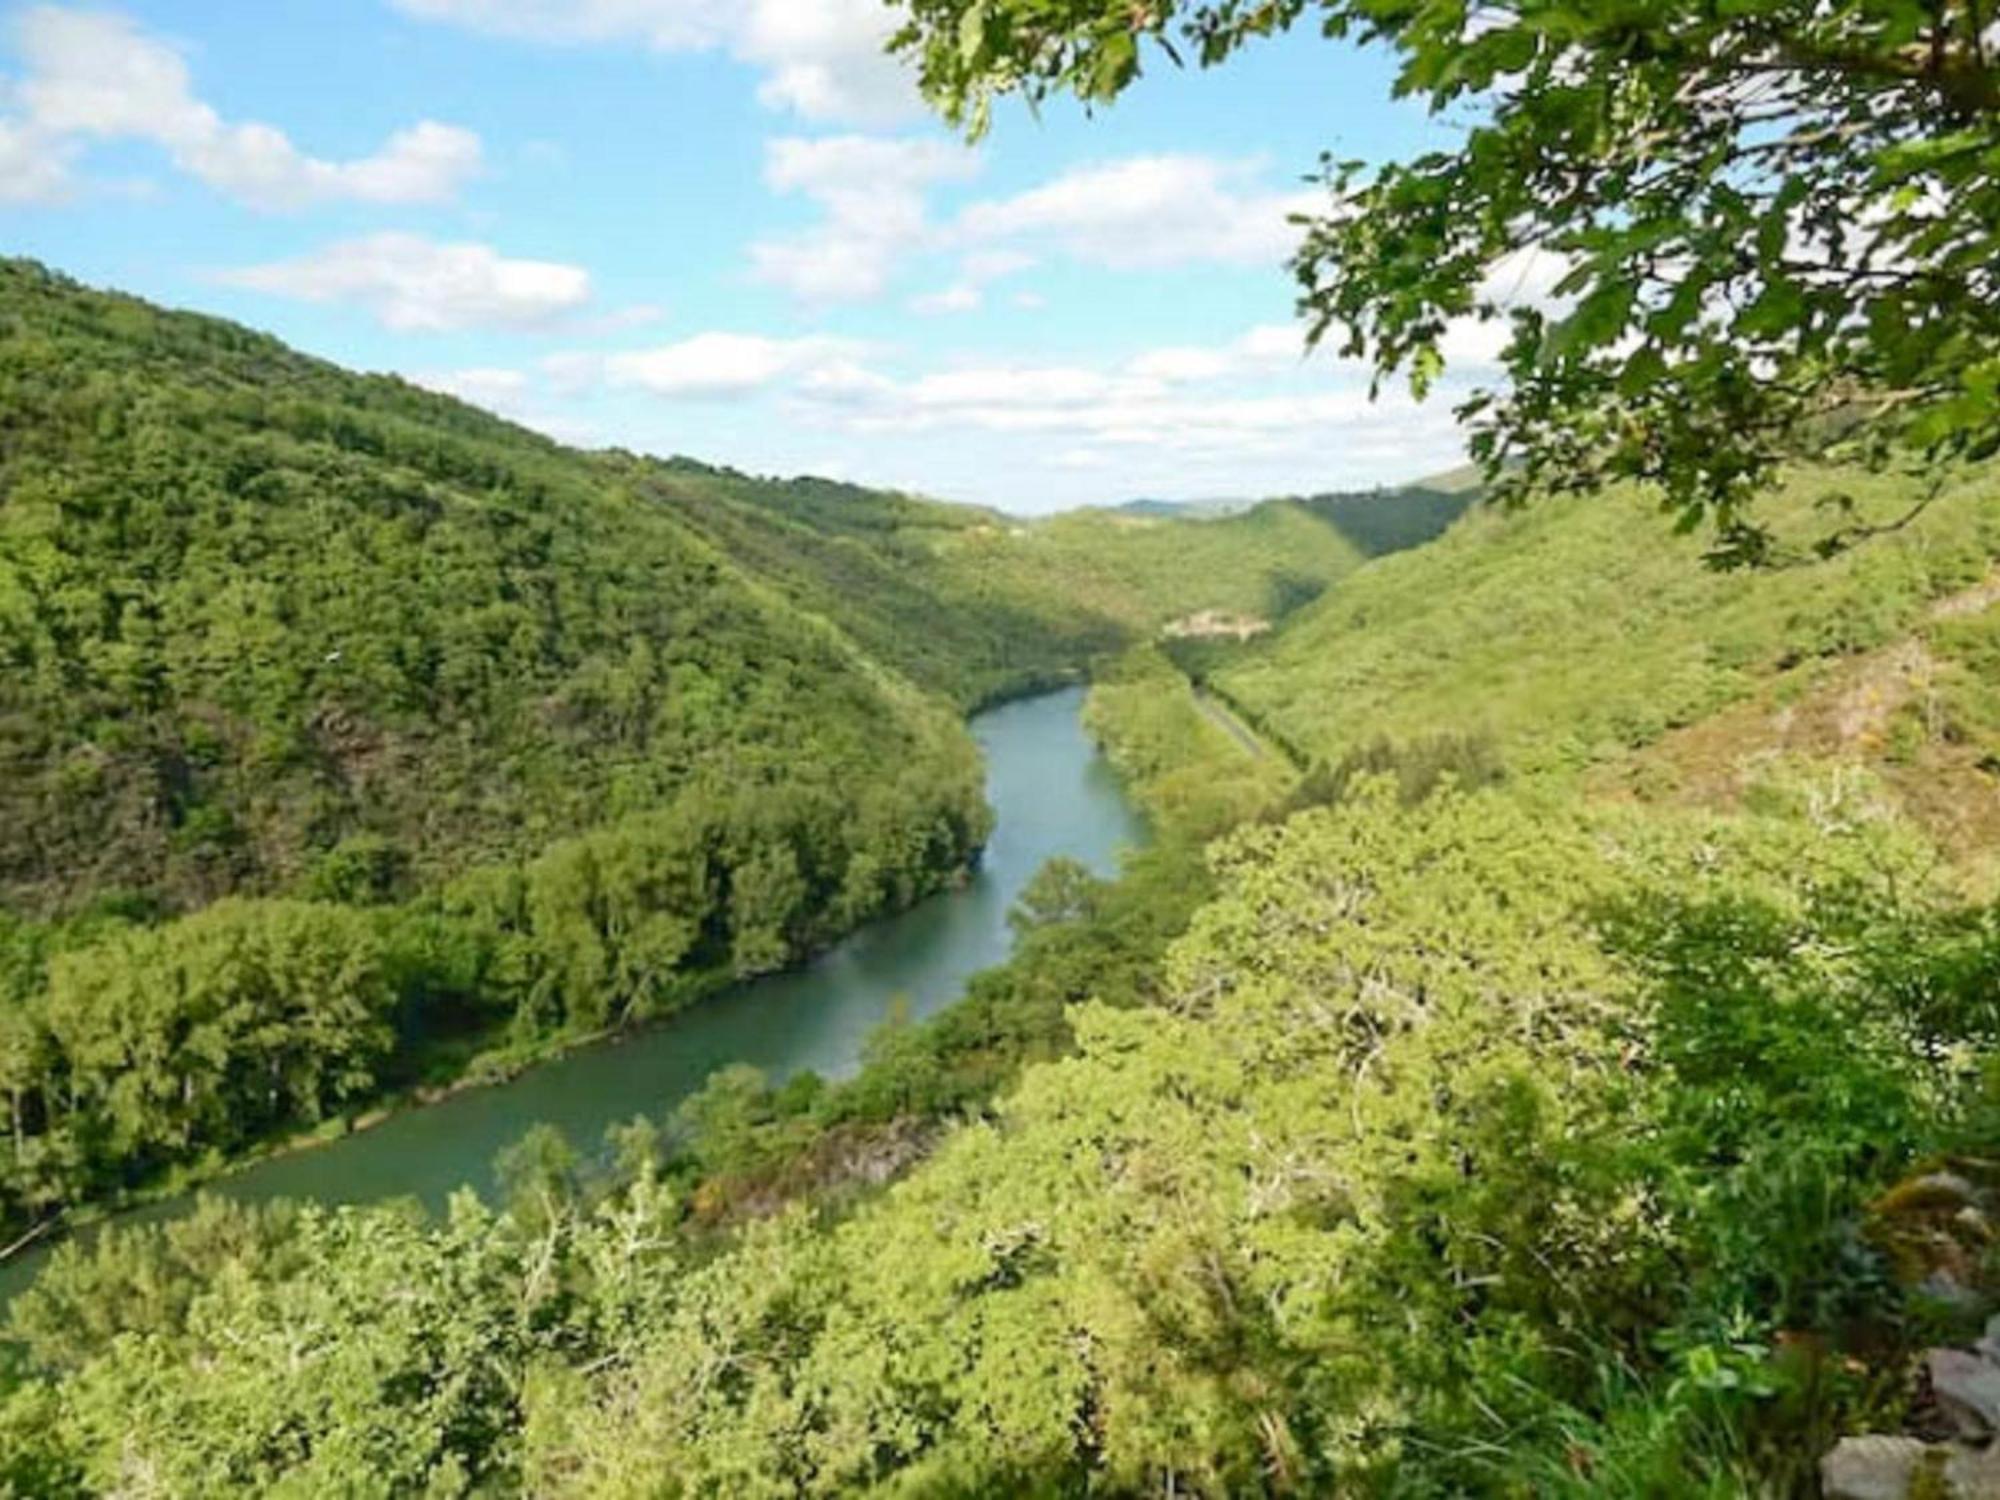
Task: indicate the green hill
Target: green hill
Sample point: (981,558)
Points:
(252,606)
(360,733)
(1379,522)
(973,604)
(338,719)
(1522,1136)
(1581,630)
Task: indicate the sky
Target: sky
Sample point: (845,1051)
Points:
(728,229)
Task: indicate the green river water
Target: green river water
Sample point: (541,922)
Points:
(1054,795)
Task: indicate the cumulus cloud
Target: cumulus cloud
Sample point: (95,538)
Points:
(94,75)
(1250,395)
(1106,413)
(708,366)
(822,59)
(975,273)
(1245,415)
(1136,213)
(415,284)
(1150,211)
(871,194)
(1265,349)
(34,167)
(1250,398)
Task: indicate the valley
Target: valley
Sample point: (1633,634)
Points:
(571,926)
(442,875)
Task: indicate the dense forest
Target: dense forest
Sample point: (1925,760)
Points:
(973,604)
(1440,1129)
(1440,1105)
(352,737)
(1550,1047)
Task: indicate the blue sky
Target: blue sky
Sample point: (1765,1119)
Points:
(725,228)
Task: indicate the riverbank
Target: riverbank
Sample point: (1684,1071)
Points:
(1054,796)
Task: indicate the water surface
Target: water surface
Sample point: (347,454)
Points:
(1053,794)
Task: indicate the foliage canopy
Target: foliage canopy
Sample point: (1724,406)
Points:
(1775,223)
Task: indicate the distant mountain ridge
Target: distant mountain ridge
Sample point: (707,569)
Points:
(1377,521)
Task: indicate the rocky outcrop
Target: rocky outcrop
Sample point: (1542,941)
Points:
(1936,1230)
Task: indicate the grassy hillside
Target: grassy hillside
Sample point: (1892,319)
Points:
(973,604)
(1581,630)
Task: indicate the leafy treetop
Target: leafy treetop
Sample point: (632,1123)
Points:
(1777,222)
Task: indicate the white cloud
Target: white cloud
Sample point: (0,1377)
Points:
(418,285)
(1244,416)
(709,366)
(1251,399)
(822,59)
(1265,349)
(870,190)
(93,75)
(975,273)
(1138,212)
(1528,277)
(1150,211)
(960,297)
(34,168)
(1469,344)
(494,389)
(825,58)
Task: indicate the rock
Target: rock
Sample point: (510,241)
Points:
(1973,1474)
(1989,1343)
(1872,1467)
(1968,1388)
(1934,1192)
(1947,1290)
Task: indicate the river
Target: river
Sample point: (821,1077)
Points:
(1054,796)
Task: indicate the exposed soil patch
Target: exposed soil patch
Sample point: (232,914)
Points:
(1880,710)
(1217,624)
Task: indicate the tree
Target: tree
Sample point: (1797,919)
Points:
(1776,222)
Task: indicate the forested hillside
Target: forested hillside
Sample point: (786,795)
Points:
(1547,1043)
(1467,1117)
(349,735)
(972,603)
(1479,1146)
(255,608)
(467,733)
(1582,630)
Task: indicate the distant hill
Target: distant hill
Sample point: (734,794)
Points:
(1376,521)
(973,604)
(1379,522)
(1185,510)
(1581,633)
